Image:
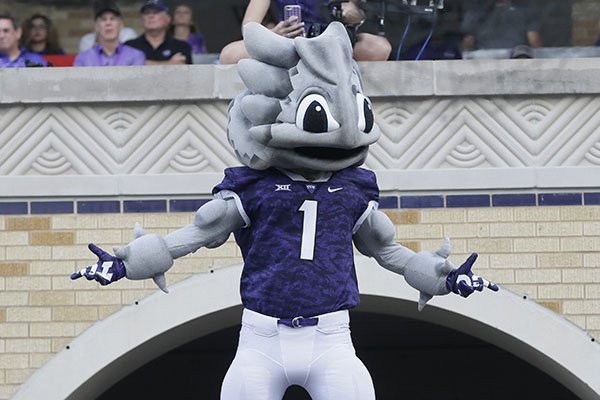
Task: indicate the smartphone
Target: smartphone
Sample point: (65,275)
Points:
(292,10)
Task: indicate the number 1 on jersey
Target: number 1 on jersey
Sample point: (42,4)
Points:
(309,229)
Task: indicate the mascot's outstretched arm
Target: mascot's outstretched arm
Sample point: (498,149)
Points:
(431,273)
(150,256)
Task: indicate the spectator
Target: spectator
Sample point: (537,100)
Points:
(500,24)
(183,28)
(156,42)
(368,47)
(40,36)
(11,54)
(89,40)
(109,51)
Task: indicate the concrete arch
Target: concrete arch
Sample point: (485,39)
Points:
(206,303)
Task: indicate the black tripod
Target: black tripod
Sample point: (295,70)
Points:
(382,7)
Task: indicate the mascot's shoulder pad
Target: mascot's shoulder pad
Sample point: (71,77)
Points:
(358,175)
(363,178)
(240,177)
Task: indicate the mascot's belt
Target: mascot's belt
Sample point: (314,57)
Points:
(298,322)
(330,321)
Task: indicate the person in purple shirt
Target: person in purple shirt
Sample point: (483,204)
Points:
(11,55)
(183,28)
(109,51)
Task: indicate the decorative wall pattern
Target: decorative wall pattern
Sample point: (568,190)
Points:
(486,132)
(113,140)
(419,134)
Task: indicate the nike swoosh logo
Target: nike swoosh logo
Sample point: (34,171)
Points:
(330,190)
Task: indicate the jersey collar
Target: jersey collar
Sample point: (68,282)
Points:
(299,178)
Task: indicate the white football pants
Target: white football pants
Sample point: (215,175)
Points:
(272,357)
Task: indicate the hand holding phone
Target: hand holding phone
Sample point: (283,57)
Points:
(292,10)
(292,24)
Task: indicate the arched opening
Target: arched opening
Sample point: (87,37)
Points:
(207,306)
(405,356)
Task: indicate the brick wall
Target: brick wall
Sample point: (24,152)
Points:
(586,18)
(41,310)
(550,254)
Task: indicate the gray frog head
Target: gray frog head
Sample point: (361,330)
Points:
(304,107)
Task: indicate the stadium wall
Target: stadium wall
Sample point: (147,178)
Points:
(502,156)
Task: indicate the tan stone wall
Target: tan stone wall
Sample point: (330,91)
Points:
(41,309)
(550,254)
(586,22)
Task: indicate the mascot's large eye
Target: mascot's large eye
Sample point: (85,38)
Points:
(313,115)
(365,113)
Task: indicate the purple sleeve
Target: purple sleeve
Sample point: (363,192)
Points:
(239,180)
(367,181)
(197,42)
(236,180)
(33,59)
(137,56)
(83,59)
(42,61)
(79,60)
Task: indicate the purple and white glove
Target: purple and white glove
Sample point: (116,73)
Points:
(107,270)
(463,282)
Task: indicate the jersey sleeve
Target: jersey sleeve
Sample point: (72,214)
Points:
(237,184)
(366,181)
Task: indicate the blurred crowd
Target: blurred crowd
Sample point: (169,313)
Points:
(166,39)
(170,36)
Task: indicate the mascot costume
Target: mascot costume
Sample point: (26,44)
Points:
(296,207)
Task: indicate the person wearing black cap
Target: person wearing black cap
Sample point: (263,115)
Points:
(155,42)
(109,51)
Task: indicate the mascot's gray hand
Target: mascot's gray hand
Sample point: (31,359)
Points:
(463,282)
(146,257)
(427,271)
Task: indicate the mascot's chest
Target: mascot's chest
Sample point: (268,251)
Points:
(299,219)
(281,203)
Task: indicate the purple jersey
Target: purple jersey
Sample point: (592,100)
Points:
(24,59)
(297,242)
(197,43)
